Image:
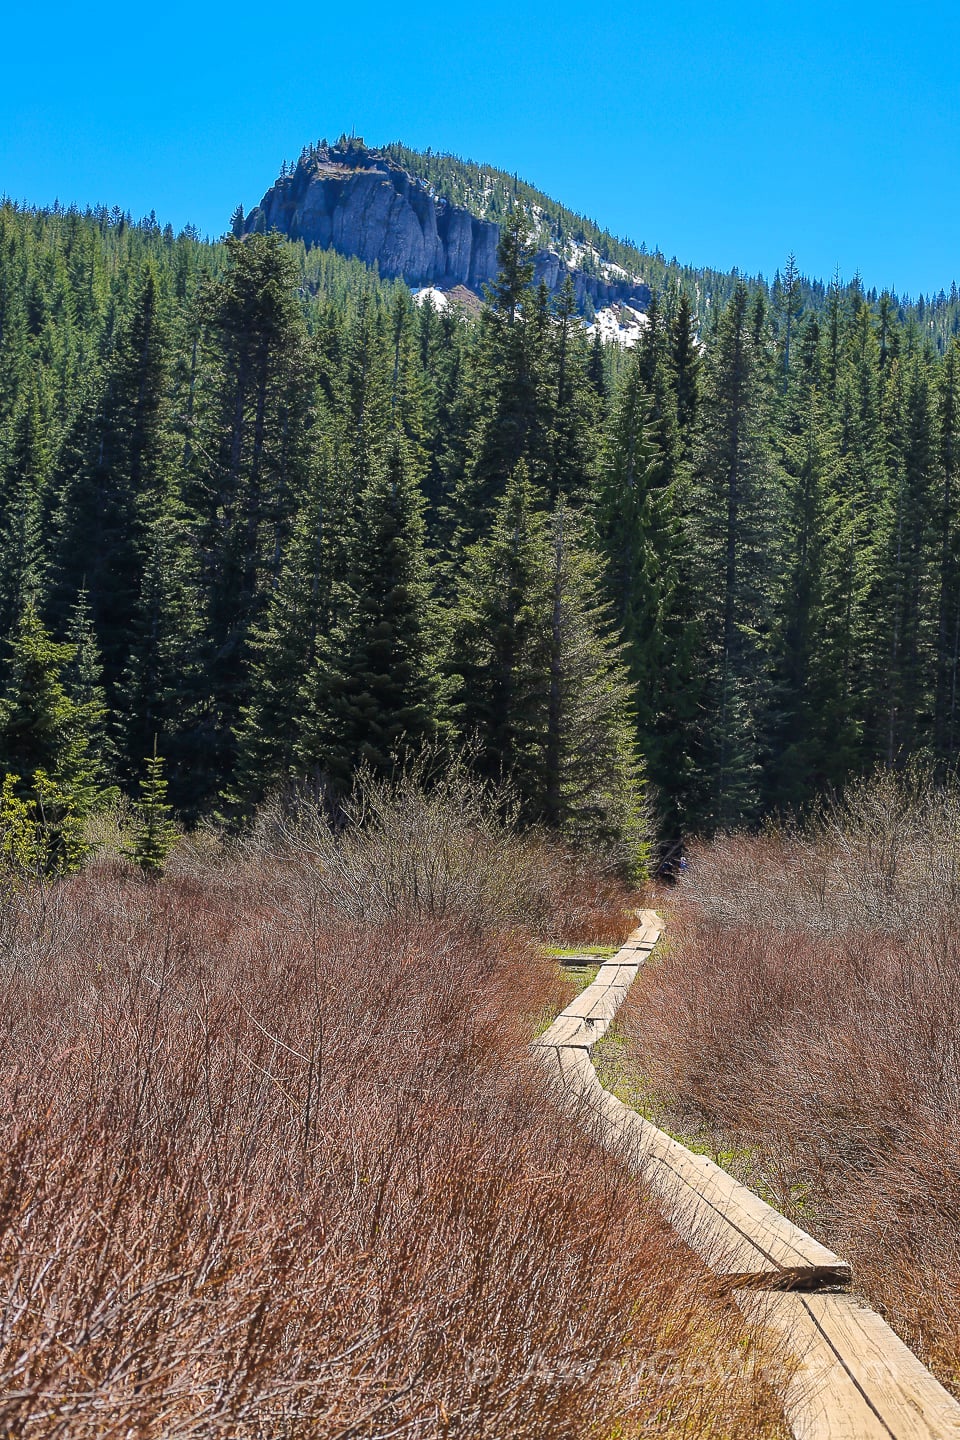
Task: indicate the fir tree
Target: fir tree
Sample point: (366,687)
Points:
(947,558)
(163,688)
(509,378)
(110,478)
(686,364)
(251,463)
(571,406)
(496,647)
(592,774)
(46,745)
(733,537)
(285,648)
(155,833)
(376,688)
(83,682)
(23,473)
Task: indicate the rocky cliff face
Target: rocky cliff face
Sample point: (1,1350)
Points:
(362,204)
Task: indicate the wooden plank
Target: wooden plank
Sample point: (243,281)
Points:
(856,1379)
(594,996)
(605,1002)
(742,1238)
(567,1030)
(612,974)
(739,1235)
(576,1069)
(641,940)
(586,1019)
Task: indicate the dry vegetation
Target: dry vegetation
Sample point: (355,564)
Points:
(807,1015)
(276,1164)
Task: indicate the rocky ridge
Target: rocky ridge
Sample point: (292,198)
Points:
(363,204)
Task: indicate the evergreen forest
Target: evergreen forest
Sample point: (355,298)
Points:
(265,520)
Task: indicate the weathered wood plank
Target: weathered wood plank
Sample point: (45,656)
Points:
(617,973)
(856,1379)
(566,1030)
(742,1237)
(595,1000)
(735,1231)
(588,1017)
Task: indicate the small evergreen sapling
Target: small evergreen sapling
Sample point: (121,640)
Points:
(156,832)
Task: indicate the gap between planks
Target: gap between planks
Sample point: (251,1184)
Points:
(855,1380)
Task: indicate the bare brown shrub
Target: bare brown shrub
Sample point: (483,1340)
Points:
(884,856)
(274,1171)
(442,845)
(807,1009)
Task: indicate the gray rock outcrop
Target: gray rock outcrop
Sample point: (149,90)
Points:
(362,204)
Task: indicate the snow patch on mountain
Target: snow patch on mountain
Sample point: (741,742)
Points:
(621,324)
(430,292)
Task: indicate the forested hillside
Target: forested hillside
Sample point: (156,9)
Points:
(490,194)
(261,510)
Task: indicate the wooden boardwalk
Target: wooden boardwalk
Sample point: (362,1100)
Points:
(855,1380)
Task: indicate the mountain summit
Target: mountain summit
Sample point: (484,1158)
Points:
(433,221)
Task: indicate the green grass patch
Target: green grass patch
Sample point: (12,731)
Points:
(619,1076)
(571,952)
(580,976)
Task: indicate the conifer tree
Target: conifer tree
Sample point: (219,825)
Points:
(907,577)
(496,650)
(593,787)
(251,463)
(861,523)
(376,688)
(789,305)
(37,717)
(509,425)
(733,531)
(571,408)
(155,833)
(686,364)
(366,390)
(23,478)
(947,559)
(164,688)
(638,510)
(109,480)
(448,418)
(45,743)
(542,687)
(83,682)
(810,736)
(285,647)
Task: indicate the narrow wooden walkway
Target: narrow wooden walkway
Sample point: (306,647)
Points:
(856,1380)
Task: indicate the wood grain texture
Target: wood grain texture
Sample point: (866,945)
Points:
(856,1380)
(741,1236)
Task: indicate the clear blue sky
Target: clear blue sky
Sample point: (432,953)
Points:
(727,135)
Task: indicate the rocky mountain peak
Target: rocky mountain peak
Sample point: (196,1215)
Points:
(362,203)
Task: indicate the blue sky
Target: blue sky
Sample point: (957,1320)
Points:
(725,135)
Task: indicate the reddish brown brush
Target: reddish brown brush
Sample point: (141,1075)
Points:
(798,1014)
(273,1172)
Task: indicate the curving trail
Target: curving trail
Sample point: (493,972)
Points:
(856,1379)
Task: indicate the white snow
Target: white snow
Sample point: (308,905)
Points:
(622,324)
(436,297)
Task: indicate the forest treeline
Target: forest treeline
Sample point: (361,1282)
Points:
(263,512)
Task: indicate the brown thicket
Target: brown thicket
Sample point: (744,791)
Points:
(805,1017)
(274,1168)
